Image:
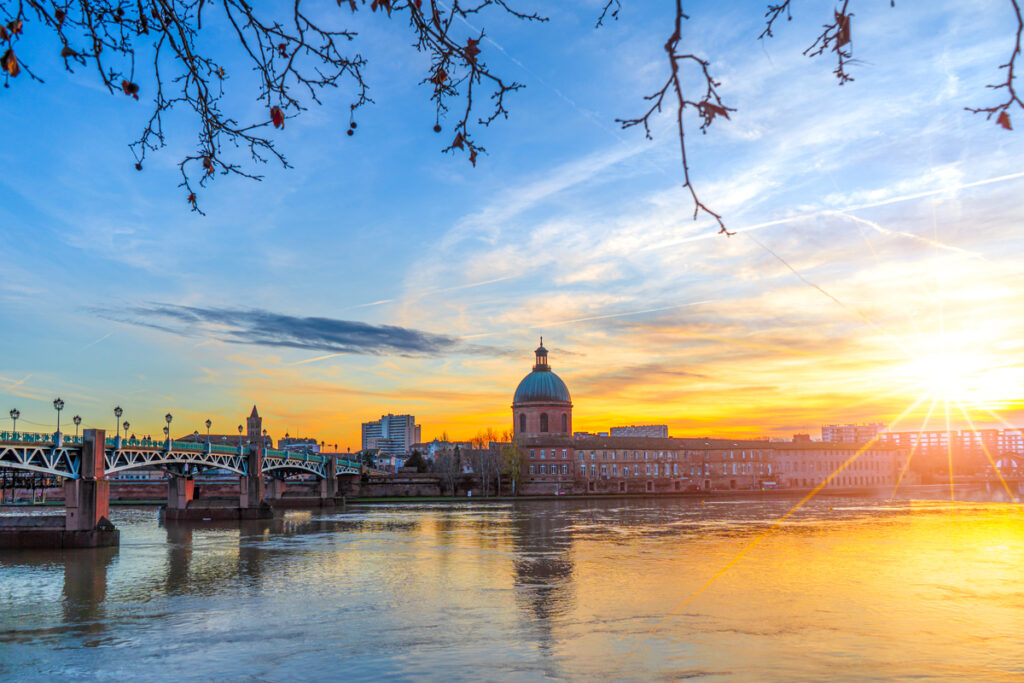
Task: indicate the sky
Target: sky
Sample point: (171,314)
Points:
(875,266)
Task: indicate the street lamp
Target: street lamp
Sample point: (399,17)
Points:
(58,404)
(117,417)
(208,425)
(195,435)
(77,419)
(167,430)
(125,425)
(15,414)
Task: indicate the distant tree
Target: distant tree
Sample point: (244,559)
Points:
(416,460)
(161,49)
(513,464)
(449,465)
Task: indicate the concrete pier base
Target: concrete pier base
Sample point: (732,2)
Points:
(49,532)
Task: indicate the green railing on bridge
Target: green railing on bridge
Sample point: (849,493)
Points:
(39,437)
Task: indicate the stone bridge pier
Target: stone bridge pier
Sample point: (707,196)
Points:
(86,507)
(249,504)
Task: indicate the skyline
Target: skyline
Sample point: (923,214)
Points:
(884,194)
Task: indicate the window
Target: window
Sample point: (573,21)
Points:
(542,454)
(565,469)
(636,470)
(648,468)
(522,422)
(565,422)
(543,469)
(543,422)
(581,455)
(604,470)
(593,470)
(625,470)
(565,454)
(531,453)
(592,455)
(531,469)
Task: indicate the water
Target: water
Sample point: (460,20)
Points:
(845,588)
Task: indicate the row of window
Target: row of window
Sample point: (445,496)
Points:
(543,423)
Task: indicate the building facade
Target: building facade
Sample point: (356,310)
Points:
(557,461)
(851,433)
(648,431)
(391,434)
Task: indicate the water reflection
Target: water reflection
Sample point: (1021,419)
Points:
(85,591)
(877,589)
(543,569)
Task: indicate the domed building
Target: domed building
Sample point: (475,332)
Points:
(542,405)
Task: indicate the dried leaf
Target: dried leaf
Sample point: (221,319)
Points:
(471,50)
(208,165)
(9,63)
(130,88)
(59,15)
(716,110)
(459,141)
(439,77)
(472,157)
(842,29)
(66,52)
(277,116)
(1004,120)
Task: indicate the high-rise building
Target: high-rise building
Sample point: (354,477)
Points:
(850,433)
(648,431)
(391,434)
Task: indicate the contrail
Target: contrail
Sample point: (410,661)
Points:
(97,341)
(825,212)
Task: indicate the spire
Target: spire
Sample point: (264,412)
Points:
(254,413)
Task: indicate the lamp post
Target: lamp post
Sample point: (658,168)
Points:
(15,414)
(195,435)
(167,430)
(117,420)
(125,425)
(58,404)
(209,424)
(77,419)
(167,434)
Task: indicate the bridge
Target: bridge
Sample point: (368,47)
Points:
(86,463)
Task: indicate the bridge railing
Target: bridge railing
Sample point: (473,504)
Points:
(39,437)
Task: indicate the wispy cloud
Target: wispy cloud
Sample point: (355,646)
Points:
(266,328)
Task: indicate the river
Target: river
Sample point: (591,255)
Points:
(625,589)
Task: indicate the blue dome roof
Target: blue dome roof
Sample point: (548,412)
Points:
(542,386)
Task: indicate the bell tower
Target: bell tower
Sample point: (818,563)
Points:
(254,426)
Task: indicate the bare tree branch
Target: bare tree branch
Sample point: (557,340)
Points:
(709,106)
(1001,111)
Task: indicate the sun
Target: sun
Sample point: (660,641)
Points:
(945,375)
(964,376)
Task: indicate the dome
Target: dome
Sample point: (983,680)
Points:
(542,386)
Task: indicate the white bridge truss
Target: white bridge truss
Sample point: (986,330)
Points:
(42,458)
(119,460)
(65,461)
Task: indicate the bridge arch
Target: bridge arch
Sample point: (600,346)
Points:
(64,462)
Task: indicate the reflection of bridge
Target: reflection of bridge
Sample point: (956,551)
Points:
(85,463)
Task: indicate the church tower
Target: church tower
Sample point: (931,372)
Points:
(254,427)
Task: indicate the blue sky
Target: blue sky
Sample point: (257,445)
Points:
(884,193)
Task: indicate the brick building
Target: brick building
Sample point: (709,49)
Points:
(558,461)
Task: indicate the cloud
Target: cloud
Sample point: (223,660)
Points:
(265,328)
